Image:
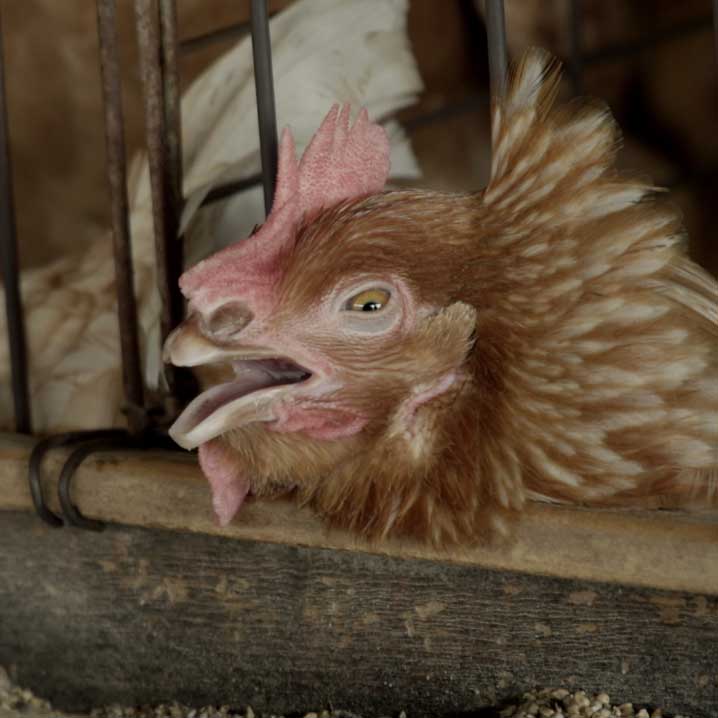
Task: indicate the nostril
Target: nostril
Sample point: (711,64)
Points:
(227,321)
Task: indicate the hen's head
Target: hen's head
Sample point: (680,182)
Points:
(421,363)
(331,327)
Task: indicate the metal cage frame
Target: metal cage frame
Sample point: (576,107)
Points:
(159,50)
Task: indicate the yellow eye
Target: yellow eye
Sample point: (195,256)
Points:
(370,300)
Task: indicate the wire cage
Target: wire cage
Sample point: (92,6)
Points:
(156,25)
(159,51)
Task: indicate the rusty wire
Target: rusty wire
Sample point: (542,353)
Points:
(172,100)
(117,179)
(156,31)
(172,182)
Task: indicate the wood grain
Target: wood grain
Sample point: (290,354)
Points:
(660,549)
(147,616)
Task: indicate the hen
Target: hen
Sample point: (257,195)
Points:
(418,363)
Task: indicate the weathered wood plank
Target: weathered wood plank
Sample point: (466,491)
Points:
(668,550)
(136,615)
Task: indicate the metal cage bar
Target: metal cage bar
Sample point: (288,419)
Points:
(264,86)
(117,180)
(10,272)
(156,32)
(172,101)
(496,34)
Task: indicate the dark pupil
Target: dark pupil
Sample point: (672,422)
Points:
(371,307)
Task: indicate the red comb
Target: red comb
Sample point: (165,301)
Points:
(340,163)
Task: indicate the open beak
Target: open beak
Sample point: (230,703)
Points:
(261,378)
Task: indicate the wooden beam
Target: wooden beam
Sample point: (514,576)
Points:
(144,616)
(659,549)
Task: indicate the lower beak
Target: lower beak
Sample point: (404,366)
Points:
(219,409)
(258,381)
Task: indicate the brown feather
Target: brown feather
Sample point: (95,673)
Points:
(583,338)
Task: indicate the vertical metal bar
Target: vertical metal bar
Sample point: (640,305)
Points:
(162,176)
(575,48)
(171,91)
(264,86)
(172,97)
(715,30)
(117,180)
(496,33)
(10,272)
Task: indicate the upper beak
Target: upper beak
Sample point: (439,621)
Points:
(250,396)
(187,346)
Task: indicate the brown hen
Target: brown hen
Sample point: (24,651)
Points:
(422,364)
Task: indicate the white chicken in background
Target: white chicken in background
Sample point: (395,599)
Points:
(324,51)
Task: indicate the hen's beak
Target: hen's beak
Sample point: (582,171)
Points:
(261,377)
(188,346)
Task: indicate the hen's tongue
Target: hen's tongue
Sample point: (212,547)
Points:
(220,395)
(218,409)
(229,485)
